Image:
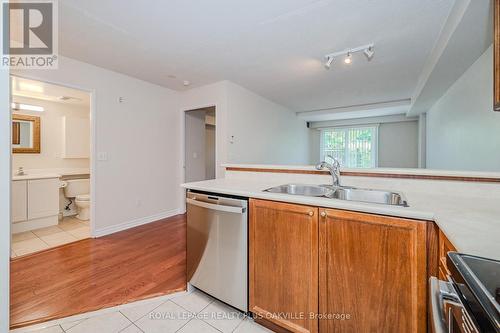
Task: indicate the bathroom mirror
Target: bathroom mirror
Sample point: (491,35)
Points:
(25,134)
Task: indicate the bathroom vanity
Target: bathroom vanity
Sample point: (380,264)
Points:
(35,201)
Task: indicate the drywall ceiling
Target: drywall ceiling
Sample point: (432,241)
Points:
(272,47)
(22,87)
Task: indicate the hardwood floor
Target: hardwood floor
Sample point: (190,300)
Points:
(92,274)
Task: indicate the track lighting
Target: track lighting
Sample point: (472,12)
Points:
(347,54)
(348,58)
(328,63)
(369,53)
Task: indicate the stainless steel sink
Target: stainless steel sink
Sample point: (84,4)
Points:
(301,189)
(343,193)
(369,195)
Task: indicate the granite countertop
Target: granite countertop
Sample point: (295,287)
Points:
(472,224)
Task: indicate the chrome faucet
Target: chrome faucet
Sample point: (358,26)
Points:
(334,169)
(20,171)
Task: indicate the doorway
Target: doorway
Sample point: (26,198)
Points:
(199,154)
(51,163)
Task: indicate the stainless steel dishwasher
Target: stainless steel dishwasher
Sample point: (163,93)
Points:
(217,247)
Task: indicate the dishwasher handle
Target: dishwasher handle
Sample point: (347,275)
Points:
(220,208)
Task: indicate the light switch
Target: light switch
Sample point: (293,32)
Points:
(195,155)
(102,156)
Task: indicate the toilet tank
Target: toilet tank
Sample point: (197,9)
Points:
(77,187)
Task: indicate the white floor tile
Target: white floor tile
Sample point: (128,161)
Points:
(167,318)
(221,316)
(131,329)
(139,311)
(47,231)
(249,326)
(109,323)
(52,329)
(68,325)
(194,302)
(80,233)
(197,326)
(29,246)
(67,225)
(22,236)
(59,238)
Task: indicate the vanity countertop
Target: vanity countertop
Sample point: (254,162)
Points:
(472,223)
(50,173)
(36,176)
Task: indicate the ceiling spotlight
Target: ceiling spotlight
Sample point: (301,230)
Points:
(348,58)
(369,52)
(328,63)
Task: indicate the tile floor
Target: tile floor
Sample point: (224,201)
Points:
(68,230)
(193,312)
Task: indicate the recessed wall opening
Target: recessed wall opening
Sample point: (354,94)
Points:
(51,138)
(199,154)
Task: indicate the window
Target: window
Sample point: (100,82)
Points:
(354,147)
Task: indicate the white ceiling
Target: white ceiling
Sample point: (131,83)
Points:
(22,87)
(272,47)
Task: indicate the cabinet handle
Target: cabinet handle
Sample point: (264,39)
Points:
(311,213)
(323,214)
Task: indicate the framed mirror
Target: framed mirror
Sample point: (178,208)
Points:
(25,134)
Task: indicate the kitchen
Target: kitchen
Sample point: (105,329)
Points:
(305,166)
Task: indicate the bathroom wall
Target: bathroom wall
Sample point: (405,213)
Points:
(51,136)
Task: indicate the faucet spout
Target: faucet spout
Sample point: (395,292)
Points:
(334,169)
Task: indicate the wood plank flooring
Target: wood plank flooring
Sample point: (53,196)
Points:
(92,274)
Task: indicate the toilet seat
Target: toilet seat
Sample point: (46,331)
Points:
(83,197)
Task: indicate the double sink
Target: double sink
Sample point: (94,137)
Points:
(343,193)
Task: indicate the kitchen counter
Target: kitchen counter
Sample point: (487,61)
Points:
(471,221)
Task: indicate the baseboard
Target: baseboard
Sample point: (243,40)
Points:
(135,223)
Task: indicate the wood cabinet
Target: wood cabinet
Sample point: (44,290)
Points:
(445,246)
(283,259)
(373,273)
(353,272)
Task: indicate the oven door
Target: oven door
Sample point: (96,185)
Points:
(448,314)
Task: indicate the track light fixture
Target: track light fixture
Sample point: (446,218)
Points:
(328,63)
(368,51)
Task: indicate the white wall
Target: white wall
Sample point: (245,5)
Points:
(5,129)
(262,132)
(210,151)
(398,145)
(51,136)
(140,179)
(462,129)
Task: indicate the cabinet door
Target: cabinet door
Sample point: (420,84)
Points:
(19,201)
(283,263)
(373,274)
(43,198)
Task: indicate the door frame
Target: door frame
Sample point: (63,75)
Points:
(93,122)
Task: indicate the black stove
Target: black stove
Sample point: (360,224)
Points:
(476,281)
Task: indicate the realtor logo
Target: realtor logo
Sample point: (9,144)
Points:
(30,34)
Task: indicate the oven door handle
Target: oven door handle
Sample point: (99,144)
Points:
(437,318)
(220,208)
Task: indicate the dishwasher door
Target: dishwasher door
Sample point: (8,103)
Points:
(217,247)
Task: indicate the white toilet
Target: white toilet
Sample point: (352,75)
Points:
(79,189)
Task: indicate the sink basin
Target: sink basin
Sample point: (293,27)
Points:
(369,195)
(343,193)
(301,189)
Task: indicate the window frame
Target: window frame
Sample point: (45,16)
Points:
(375,141)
